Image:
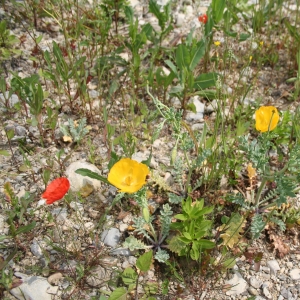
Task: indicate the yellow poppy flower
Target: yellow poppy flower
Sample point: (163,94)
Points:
(266,118)
(217,43)
(128,175)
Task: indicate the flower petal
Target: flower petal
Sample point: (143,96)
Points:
(56,190)
(266,118)
(128,175)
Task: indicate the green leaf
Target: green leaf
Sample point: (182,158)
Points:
(118,294)
(197,55)
(146,214)
(89,173)
(183,59)
(177,245)
(229,263)
(144,261)
(205,244)
(4,237)
(244,37)
(205,81)
(172,67)
(129,276)
(26,228)
(4,152)
(209,94)
(218,7)
(10,134)
(187,235)
(180,217)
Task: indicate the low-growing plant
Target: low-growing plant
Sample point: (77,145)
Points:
(191,229)
(75,131)
(130,278)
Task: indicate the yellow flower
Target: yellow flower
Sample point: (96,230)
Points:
(217,43)
(266,118)
(261,43)
(250,57)
(128,175)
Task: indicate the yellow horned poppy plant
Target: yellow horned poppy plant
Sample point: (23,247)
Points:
(128,175)
(266,118)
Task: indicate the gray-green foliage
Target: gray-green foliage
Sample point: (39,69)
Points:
(144,226)
(75,130)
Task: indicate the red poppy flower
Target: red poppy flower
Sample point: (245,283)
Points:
(203,18)
(56,190)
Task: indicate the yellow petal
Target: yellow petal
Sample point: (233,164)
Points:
(128,175)
(266,118)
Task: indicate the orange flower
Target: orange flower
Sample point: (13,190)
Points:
(266,118)
(56,190)
(128,175)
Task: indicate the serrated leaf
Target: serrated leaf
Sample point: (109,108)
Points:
(118,294)
(231,236)
(129,276)
(133,243)
(144,262)
(176,245)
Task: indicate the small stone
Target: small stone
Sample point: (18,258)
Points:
(98,276)
(89,226)
(254,282)
(60,213)
(285,293)
(197,126)
(123,227)
(295,274)
(111,237)
(267,293)
(239,285)
(289,264)
(33,288)
(132,260)
(36,249)
(274,266)
(108,262)
(253,291)
(54,278)
(20,130)
(125,264)
(180,19)
(79,182)
(121,251)
(74,246)
(52,290)
(77,206)
(168,178)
